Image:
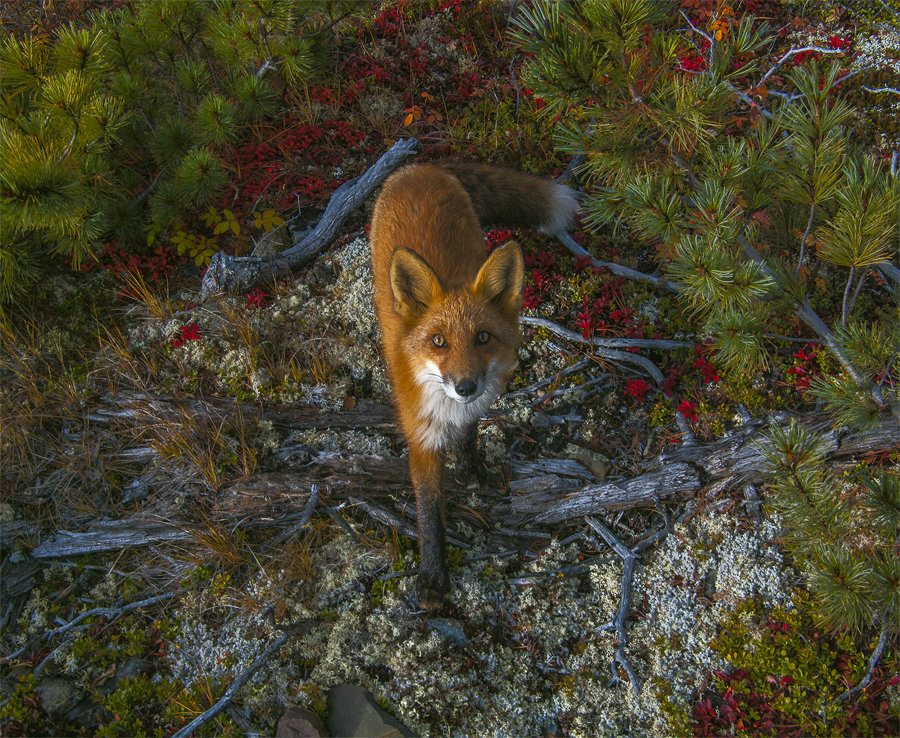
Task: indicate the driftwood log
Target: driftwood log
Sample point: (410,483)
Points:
(228,273)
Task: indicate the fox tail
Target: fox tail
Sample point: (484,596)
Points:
(506,198)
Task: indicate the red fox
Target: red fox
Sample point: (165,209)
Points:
(449,317)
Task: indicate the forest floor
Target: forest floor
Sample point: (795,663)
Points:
(190,483)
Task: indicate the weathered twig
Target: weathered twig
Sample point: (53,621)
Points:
(873,662)
(611,343)
(228,273)
(109,536)
(108,612)
(598,347)
(577,249)
(300,524)
(241,680)
(628,558)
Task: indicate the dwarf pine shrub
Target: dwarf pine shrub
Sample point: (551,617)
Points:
(739,167)
(122,127)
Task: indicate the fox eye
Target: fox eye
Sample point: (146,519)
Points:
(439,341)
(483,337)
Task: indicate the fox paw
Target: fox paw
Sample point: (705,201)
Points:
(432,591)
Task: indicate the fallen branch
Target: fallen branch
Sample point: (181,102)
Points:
(628,557)
(107,612)
(578,250)
(227,273)
(545,506)
(106,535)
(600,347)
(241,680)
(873,662)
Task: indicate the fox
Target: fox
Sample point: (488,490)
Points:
(449,318)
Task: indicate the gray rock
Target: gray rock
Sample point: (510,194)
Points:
(300,723)
(353,713)
(58,695)
(449,630)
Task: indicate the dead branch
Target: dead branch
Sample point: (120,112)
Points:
(873,662)
(107,612)
(228,273)
(110,535)
(628,558)
(601,347)
(235,687)
(576,249)
(546,507)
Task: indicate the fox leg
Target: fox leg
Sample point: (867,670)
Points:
(427,468)
(470,470)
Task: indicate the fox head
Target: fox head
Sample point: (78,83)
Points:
(462,342)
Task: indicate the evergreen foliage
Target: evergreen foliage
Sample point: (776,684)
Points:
(121,127)
(842,531)
(58,125)
(733,202)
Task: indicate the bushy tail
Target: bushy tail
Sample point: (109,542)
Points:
(506,198)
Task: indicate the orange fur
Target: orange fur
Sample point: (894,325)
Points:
(449,317)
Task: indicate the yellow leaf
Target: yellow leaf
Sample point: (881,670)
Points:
(151,236)
(719,35)
(221,227)
(235,227)
(408,119)
(198,259)
(228,214)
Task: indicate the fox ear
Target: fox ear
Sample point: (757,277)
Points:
(501,278)
(414,284)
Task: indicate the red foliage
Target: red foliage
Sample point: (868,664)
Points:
(706,367)
(637,388)
(188,332)
(689,410)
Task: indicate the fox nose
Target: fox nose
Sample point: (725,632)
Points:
(466,388)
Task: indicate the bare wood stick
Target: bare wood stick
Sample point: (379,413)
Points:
(628,557)
(873,662)
(228,273)
(300,524)
(622,271)
(642,490)
(108,612)
(598,348)
(109,536)
(236,685)
(613,343)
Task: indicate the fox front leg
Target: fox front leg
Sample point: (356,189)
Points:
(427,468)
(470,469)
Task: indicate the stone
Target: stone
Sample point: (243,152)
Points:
(300,723)
(58,695)
(596,462)
(353,713)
